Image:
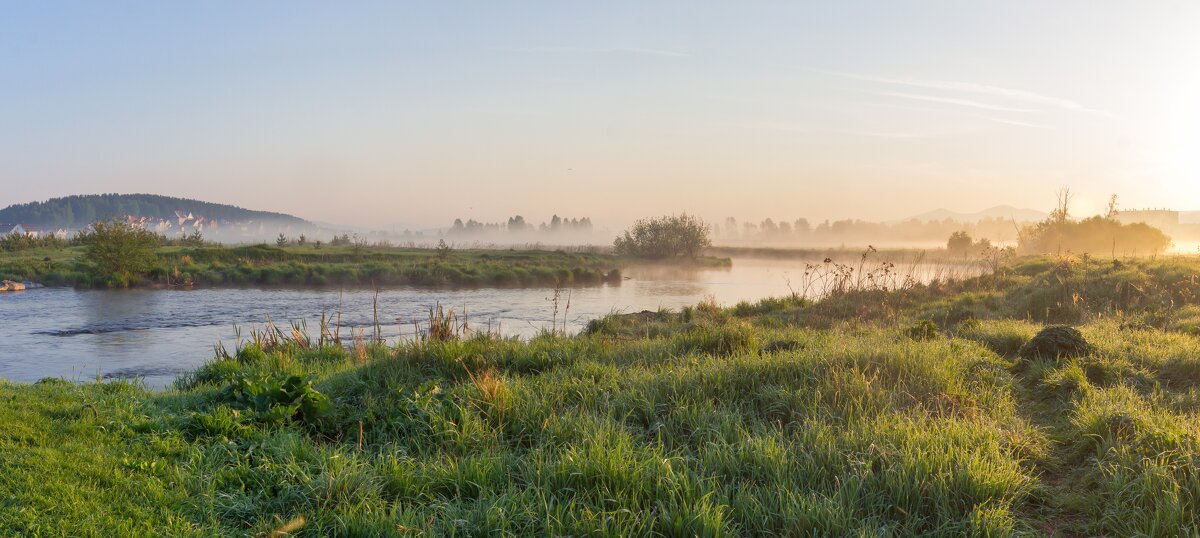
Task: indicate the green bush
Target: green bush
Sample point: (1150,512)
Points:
(120,252)
(664,237)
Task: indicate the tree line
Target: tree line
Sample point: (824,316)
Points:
(518,224)
(842,230)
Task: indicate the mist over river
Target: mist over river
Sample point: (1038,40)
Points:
(156,334)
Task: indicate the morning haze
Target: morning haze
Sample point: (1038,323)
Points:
(402,115)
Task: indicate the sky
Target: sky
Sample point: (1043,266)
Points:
(408,114)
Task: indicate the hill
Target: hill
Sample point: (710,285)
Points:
(1000,211)
(78,211)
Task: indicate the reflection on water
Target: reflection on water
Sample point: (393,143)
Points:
(156,334)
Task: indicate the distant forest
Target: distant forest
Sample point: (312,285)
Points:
(518,224)
(73,212)
(771,231)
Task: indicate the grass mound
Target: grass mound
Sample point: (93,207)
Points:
(1055,342)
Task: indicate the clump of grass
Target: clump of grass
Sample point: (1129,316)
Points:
(441,325)
(924,329)
(720,340)
(1004,337)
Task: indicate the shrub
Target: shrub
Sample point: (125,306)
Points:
(664,237)
(119,251)
(20,241)
(959,242)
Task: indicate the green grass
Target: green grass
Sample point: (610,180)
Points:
(781,418)
(72,463)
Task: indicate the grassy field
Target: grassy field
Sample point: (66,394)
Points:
(870,412)
(262,265)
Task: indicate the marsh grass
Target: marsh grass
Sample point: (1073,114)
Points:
(441,325)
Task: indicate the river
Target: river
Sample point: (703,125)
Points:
(154,334)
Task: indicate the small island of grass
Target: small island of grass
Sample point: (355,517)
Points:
(114,254)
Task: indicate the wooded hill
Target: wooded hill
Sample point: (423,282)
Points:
(78,211)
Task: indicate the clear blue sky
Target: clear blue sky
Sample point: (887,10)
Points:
(412,113)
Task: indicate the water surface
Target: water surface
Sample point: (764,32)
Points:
(157,334)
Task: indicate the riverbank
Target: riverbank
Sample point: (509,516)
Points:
(338,266)
(261,265)
(907,410)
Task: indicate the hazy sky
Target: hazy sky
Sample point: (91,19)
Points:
(412,113)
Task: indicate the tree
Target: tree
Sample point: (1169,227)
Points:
(119,250)
(768,227)
(959,242)
(1062,209)
(664,237)
(281,241)
(194,239)
(1101,234)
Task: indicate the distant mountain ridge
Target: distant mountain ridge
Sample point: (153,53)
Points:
(73,212)
(1000,211)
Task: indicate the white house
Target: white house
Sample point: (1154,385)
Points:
(25,230)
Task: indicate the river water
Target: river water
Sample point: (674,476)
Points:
(155,335)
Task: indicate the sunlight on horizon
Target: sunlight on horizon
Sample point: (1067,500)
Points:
(408,116)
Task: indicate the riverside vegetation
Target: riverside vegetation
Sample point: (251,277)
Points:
(882,407)
(117,254)
(177,263)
